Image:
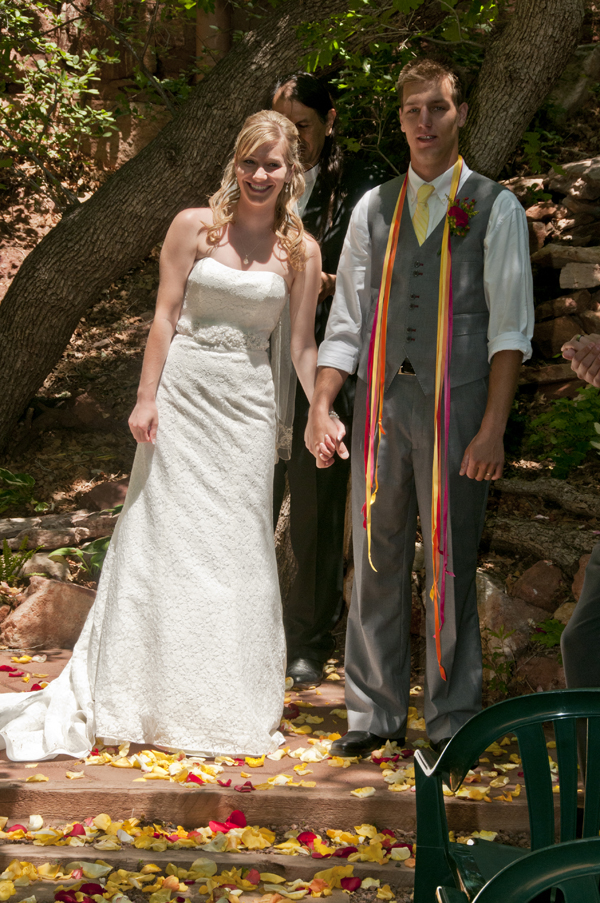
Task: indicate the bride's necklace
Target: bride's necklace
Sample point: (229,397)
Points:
(246,257)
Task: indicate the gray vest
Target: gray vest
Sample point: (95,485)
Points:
(413,307)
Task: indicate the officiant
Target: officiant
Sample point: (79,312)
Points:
(317,497)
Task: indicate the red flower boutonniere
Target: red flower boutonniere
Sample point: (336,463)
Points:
(459,215)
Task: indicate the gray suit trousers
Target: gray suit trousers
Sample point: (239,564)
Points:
(378,637)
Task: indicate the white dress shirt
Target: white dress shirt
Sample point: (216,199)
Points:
(507,279)
(310,177)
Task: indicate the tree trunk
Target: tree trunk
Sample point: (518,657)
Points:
(519,537)
(560,492)
(520,67)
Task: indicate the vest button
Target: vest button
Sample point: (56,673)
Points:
(417,263)
(410,329)
(415,296)
(417,273)
(413,305)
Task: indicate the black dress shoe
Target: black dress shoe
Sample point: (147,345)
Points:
(438,746)
(305,672)
(359,743)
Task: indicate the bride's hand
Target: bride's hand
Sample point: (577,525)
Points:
(143,421)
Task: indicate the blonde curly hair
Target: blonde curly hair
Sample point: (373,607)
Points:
(260,128)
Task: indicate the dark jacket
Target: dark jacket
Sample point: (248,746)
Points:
(357,178)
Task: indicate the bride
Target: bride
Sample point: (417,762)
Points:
(184,645)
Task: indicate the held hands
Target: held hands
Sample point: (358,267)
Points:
(584,353)
(483,458)
(143,421)
(323,437)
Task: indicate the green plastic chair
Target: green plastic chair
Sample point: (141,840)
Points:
(571,867)
(469,868)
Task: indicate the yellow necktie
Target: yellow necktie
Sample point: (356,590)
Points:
(421,215)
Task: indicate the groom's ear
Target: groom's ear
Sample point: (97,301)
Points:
(462,114)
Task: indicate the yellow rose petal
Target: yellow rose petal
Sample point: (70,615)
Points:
(36,779)
(75,775)
(362,792)
(255,763)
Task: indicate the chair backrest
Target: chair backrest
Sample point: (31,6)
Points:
(525,717)
(573,867)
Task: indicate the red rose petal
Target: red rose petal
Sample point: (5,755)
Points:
(238,818)
(77,831)
(17,674)
(320,855)
(35,687)
(194,779)
(94,752)
(173,838)
(218,827)
(156,834)
(350,884)
(91,888)
(408,846)
(344,852)
(387,831)
(225,783)
(65,897)
(16,828)
(76,874)
(291,711)
(246,787)
(253,876)
(306,837)
(7,668)
(88,822)
(239,762)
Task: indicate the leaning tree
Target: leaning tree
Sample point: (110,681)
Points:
(97,242)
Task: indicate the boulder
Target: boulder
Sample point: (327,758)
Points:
(542,211)
(564,612)
(51,615)
(105,495)
(590,320)
(550,335)
(580,275)
(542,673)
(57,568)
(558,256)
(537,235)
(580,208)
(499,612)
(566,305)
(523,185)
(578,579)
(588,171)
(540,585)
(5,610)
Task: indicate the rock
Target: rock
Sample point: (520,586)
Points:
(83,528)
(559,256)
(537,235)
(574,186)
(51,615)
(543,211)
(105,495)
(590,320)
(500,612)
(582,210)
(577,584)
(580,275)
(566,305)
(564,612)
(586,170)
(57,568)
(89,412)
(521,186)
(542,673)
(419,559)
(552,373)
(5,610)
(550,335)
(540,585)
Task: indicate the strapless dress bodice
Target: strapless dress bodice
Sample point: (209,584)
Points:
(231,309)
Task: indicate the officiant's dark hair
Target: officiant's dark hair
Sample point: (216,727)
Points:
(427,69)
(315,93)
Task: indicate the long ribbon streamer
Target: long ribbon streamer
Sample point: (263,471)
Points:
(375,392)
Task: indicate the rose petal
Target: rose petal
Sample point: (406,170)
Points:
(238,818)
(75,831)
(225,783)
(15,828)
(7,668)
(246,787)
(306,837)
(91,888)
(194,779)
(344,852)
(350,884)
(218,827)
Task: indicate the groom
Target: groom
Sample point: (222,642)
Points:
(492,327)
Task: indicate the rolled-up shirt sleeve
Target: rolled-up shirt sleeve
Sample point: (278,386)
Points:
(342,343)
(507,278)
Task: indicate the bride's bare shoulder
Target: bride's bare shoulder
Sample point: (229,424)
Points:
(192,218)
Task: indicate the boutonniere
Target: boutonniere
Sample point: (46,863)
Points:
(459,215)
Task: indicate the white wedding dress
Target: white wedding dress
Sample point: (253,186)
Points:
(184,645)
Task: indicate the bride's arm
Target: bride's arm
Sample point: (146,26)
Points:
(303,307)
(177,258)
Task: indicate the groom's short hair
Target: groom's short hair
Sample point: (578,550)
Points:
(425,69)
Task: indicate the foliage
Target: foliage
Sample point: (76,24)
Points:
(11,563)
(495,661)
(365,76)
(52,111)
(549,632)
(17,489)
(565,432)
(91,555)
